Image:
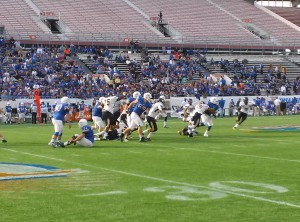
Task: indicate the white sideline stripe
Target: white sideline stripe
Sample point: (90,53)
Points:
(238,154)
(229,153)
(102,194)
(162,180)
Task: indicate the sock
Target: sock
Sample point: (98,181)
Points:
(145,131)
(52,140)
(149,135)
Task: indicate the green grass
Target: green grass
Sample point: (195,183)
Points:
(171,178)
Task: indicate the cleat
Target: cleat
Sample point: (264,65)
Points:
(142,139)
(122,137)
(4,141)
(166,127)
(61,144)
(234,128)
(180,133)
(205,134)
(191,135)
(147,139)
(126,140)
(67,143)
(53,145)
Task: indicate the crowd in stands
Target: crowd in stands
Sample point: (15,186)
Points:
(56,72)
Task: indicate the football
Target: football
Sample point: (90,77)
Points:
(210,111)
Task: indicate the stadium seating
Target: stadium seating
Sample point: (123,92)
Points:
(291,14)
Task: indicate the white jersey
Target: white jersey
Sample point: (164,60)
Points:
(244,107)
(109,103)
(156,109)
(202,108)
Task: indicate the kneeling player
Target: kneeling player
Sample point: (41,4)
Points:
(86,138)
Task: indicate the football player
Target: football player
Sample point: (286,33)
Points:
(194,122)
(207,111)
(1,134)
(243,112)
(21,112)
(97,116)
(61,113)
(108,113)
(8,110)
(86,138)
(156,110)
(141,104)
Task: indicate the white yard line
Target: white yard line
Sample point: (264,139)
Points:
(161,179)
(102,194)
(135,152)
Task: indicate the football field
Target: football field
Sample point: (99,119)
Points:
(248,174)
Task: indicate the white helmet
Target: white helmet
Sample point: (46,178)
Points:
(147,96)
(213,100)
(82,123)
(162,99)
(101,99)
(136,94)
(21,103)
(8,103)
(65,99)
(55,102)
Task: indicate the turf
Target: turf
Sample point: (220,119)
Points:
(249,174)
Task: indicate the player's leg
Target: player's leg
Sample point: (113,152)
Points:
(2,138)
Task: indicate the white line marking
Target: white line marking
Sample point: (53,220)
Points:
(105,153)
(162,150)
(164,180)
(102,194)
(134,152)
(238,154)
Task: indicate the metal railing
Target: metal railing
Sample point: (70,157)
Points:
(146,40)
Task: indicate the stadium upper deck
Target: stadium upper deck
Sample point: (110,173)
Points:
(193,22)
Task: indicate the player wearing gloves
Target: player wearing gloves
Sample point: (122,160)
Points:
(86,138)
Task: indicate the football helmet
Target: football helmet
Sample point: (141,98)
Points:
(82,123)
(65,99)
(147,96)
(101,99)
(21,103)
(245,99)
(213,100)
(8,104)
(136,94)
(162,99)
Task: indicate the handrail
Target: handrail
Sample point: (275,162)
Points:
(147,39)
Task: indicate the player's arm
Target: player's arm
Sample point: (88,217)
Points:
(78,137)
(132,103)
(68,119)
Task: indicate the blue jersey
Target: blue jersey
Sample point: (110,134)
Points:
(81,107)
(60,111)
(22,109)
(213,106)
(141,106)
(88,132)
(8,109)
(97,111)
